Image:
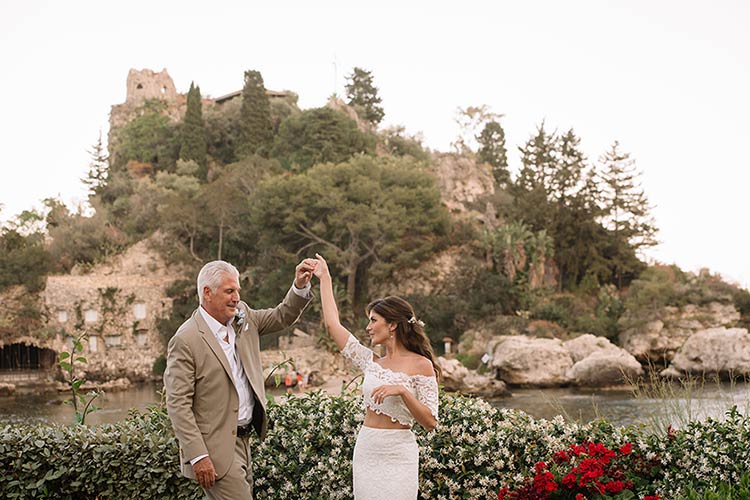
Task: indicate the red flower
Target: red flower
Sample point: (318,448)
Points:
(588,468)
(577,449)
(569,481)
(560,457)
(614,487)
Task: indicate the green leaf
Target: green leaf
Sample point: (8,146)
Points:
(81,359)
(65,366)
(63,355)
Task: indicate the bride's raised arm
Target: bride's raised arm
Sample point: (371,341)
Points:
(331,318)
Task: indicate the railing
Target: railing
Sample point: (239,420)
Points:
(15,376)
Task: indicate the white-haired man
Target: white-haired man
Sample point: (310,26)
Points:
(214,378)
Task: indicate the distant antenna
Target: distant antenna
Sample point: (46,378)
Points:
(335,78)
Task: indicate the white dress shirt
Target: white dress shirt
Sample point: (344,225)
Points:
(241,384)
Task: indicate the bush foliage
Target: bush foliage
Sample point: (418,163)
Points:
(474,452)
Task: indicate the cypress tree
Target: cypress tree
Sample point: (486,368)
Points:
(363,96)
(255,117)
(193,133)
(492,150)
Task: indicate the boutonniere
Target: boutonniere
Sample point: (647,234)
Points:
(239,318)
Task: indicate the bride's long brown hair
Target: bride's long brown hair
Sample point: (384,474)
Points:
(409,330)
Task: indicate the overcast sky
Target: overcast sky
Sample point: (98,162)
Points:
(670,80)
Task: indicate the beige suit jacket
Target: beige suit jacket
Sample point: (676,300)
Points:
(202,401)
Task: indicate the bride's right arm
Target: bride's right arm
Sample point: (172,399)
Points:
(339,334)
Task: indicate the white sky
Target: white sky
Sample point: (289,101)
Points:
(669,79)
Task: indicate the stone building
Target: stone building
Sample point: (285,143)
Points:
(117,305)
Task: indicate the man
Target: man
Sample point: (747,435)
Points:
(214,378)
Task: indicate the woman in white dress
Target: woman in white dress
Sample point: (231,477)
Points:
(399,389)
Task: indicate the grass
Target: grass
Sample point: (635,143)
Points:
(675,403)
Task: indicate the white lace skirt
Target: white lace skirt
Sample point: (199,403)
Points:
(386,464)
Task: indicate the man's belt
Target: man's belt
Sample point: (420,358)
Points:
(244,430)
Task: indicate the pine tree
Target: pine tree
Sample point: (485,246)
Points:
(255,117)
(492,150)
(567,176)
(533,186)
(627,213)
(98,175)
(193,132)
(363,96)
(538,161)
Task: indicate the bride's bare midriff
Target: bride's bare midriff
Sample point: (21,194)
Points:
(380,421)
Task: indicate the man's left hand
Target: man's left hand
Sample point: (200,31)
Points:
(303,272)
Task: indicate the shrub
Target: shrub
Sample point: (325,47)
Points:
(135,458)
(720,491)
(474,452)
(703,452)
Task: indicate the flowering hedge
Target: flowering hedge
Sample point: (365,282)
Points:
(475,451)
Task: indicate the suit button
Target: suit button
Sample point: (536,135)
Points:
(235,410)
(234,432)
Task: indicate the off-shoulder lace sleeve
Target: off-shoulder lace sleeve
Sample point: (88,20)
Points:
(427,392)
(358,354)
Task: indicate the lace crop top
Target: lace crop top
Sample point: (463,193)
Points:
(423,387)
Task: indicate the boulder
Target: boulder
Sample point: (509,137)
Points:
(605,368)
(532,362)
(585,345)
(7,389)
(719,351)
(598,362)
(458,378)
(660,338)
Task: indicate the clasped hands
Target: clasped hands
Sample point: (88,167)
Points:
(305,270)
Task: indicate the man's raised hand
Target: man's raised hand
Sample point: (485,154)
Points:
(303,272)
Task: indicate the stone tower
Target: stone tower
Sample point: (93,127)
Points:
(147,84)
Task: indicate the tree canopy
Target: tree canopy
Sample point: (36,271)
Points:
(319,135)
(383,213)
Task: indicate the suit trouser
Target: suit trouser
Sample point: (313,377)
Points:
(237,484)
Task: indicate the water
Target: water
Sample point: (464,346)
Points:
(49,407)
(618,406)
(674,404)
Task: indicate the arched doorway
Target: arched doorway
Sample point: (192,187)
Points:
(25,357)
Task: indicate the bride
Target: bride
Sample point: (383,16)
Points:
(399,389)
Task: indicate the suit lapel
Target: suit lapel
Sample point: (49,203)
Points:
(210,339)
(241,332)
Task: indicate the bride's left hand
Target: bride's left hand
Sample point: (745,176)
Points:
(383,391)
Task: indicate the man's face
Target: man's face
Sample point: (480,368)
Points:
(222,304)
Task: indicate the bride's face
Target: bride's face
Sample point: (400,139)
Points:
(378,328)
